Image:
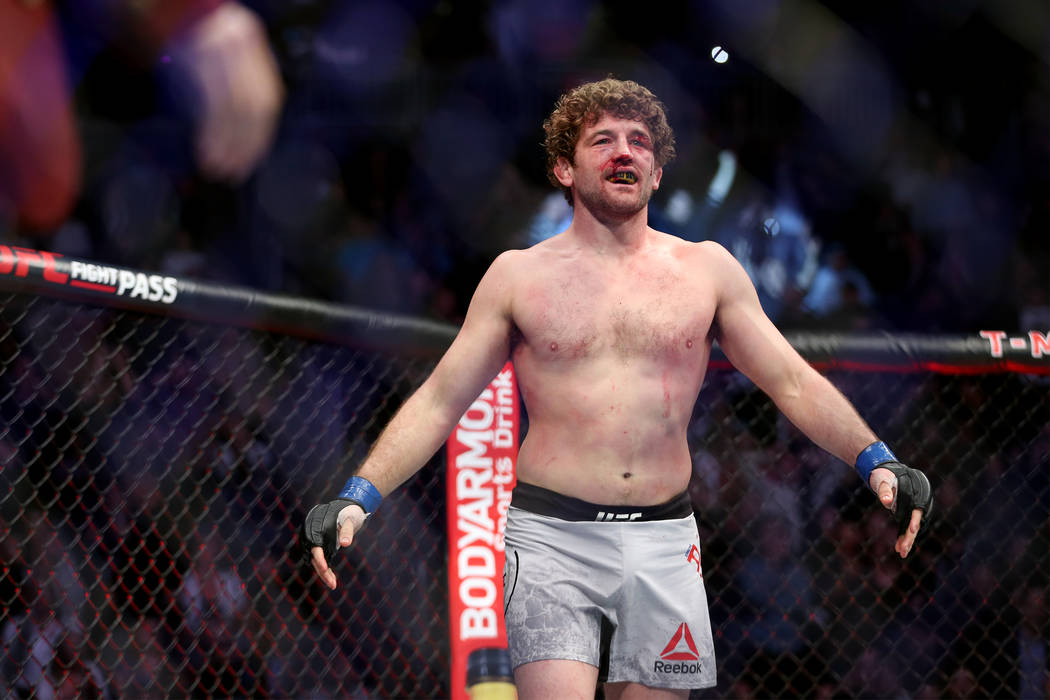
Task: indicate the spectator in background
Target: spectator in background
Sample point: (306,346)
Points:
(778,602)
(218,619)
(840,580)
(72,678)
(909,642)
(247,473)
(1031,643)
(1004,642)
(868,677)
(146,558)
(837,284)
(147,671)
(44,651)
(213,54)
(961,685)
(776,247)
(853,313)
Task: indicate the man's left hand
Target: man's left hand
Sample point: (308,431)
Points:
(907,493)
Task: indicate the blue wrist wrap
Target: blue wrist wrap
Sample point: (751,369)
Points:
(872,456)
(363,492)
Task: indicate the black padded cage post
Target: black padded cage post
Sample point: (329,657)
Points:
(162,438)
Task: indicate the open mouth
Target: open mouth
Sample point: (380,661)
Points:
(622,177)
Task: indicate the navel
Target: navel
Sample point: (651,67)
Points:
(627,475)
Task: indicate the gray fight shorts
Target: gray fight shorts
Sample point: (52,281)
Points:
(617,587)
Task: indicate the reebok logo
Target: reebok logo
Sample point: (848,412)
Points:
(681,647)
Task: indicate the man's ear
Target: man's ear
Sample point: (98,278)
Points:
(657,175)
(563,171)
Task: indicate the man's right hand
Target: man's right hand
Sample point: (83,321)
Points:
(329,526)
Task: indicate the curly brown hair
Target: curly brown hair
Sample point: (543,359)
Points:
(586,104)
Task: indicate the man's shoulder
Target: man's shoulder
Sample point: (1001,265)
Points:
(709,251)
(511,259)
(536,254)
(512,266)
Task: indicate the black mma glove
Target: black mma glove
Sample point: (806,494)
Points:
(913,488)
(913,491)
(320,528)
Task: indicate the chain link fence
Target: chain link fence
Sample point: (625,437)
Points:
(808,597)
(156,469)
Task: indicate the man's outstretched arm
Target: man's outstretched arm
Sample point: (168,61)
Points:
(424,421)
(755,347)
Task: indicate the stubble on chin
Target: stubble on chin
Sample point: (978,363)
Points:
(614,209)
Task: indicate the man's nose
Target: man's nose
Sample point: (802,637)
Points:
(623,149)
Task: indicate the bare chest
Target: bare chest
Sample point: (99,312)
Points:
(660,313)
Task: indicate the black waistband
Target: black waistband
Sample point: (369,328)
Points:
(541,501)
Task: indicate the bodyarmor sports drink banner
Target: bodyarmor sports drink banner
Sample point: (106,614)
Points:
(482,452)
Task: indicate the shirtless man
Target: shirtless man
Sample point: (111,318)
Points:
(609,326)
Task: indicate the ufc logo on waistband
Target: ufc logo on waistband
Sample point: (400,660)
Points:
(602,515)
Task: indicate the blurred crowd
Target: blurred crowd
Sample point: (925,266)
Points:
(149,502)
(152,480)
(808,597)
(381,154)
